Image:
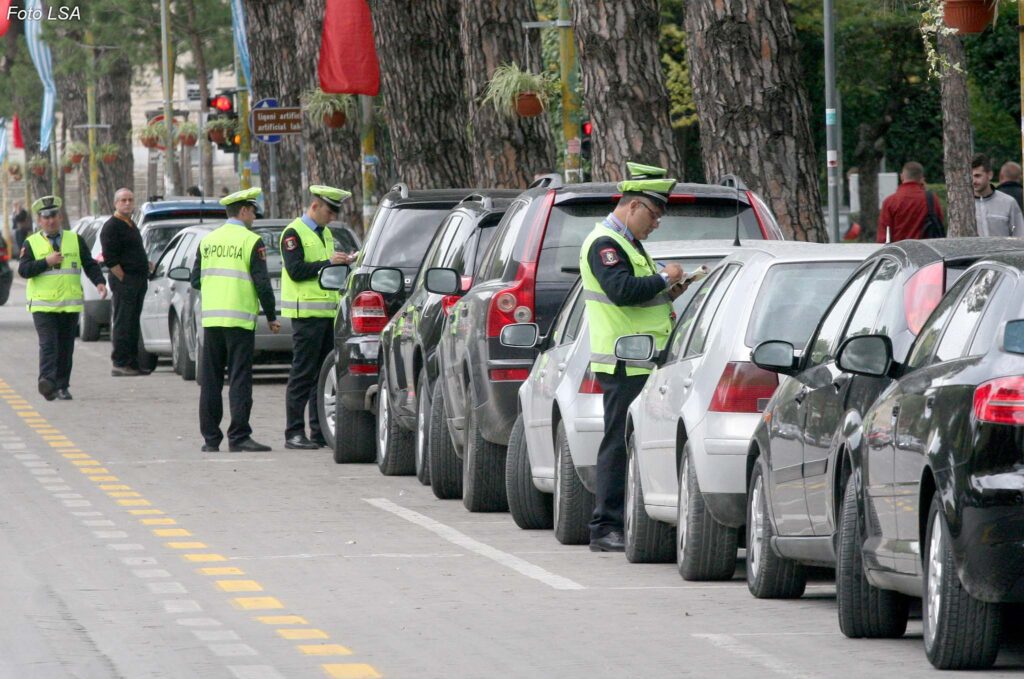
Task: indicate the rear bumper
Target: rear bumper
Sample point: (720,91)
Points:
(496,415)
(989,548)
(361,350)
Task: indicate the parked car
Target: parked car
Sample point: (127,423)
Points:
(408,365)
(933,507)
(160,218)
(398,238)
(798,462)
(549,469)
(95,316)
(6,274)
(689,430)
(524,277)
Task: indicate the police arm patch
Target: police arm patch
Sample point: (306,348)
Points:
(609,256)
(290,243)
(261,252)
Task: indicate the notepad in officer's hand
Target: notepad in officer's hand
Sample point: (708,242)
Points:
(696,274)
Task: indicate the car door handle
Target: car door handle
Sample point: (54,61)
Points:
(895,411)
(929,402)
(839,383)
(688,382)
(801,395)
(542,373)
(561,367)
(663,389)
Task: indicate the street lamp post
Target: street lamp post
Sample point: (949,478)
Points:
(831,122)
(170,175)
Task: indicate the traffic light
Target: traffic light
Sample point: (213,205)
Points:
(222,103)
(586,150)
(222,107)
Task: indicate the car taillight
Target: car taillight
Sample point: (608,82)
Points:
(514,304)
(449,301)
(757,213)
(509,374)
(743,388)
(1000,401)
(362,368)
(369,315)
(922,293)
(590,385)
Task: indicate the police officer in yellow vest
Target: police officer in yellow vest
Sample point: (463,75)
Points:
(625,294)
(53,260)
(231,270)
(307,246)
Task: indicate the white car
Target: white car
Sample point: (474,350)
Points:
(554,442)
(689,430)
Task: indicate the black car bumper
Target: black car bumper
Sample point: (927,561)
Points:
(496,415)
(357,371)
(989,548)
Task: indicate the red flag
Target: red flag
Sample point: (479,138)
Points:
(5,23)
(19,143)
(348,58)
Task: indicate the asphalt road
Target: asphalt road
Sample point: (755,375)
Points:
(126,552)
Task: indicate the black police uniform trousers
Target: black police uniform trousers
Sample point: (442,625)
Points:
(124,330)
(231,349)
(610,485)
(312,340)
(56,345)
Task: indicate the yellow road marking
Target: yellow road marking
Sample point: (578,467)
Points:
(323,649)
(239,586)
(203,558)
(220,570)
(302,634)
(76,456)
(144,512)
(32,415)
(351,671)
(33,423)
(94,470)
(85,463)
(172,533)
(104,478)
(124,493)
(116,486)
(282,619)
(55,437)
(185,545)
(61,444)
(74,450)
(133,503)
(158,522)
(254,603)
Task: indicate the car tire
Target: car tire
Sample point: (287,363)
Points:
(185,366)
(531,509)
(769,576)
(647,540)
(356,440)
(90,328)
(396,454)
(483,470)
(573,503)
(960,632)
(147,361)
(445,465)
(423,428)
(705,548)
(865,611)
(6,279)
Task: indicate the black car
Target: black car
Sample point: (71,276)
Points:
(799,460)
(402,228)
(6,274)
(524,277)
(935,507)
(408,343)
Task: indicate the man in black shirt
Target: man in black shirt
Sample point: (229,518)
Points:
(125,255)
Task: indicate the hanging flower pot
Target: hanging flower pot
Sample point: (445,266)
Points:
(38,166)
(330,110)
(188,133)
(969,16)
(109,158)
(528,105)
(335,120)
(514,92)
(217,136)
(14,169)
(67,167)
(108,153)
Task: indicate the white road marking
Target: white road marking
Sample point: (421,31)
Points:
(80,514)
(232,650)
(43,472)
(77,503)
(132,547)
(167,588)
(54,489)
(199,622)
(181,606)
(66,496)
(383,555)
(36,463)
(139,561)
(26,456)
(766,660)
(151,573)
(215,635)
(96,523)
(110,534)
(254,672)
(15,446)
(50,479)
(462,540)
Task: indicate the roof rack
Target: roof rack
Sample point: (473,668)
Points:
(733,181)
(154,198)
(547,181)
(402,188)
(485,201)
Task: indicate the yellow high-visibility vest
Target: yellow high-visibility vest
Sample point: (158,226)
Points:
(56,290)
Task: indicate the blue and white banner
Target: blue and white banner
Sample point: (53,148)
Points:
(41,57)
(3,139)
(241,41)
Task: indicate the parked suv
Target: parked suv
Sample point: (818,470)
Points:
(398,238)
(524,277)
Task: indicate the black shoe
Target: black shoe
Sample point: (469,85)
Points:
(211,449)
(300,442)
(63,395)
(248,446)
(47,388)
(612,542)
(143,371)
(320,441)
(123,371)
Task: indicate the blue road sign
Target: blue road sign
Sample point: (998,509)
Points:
(265,103)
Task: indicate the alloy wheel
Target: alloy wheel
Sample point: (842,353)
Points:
(631,483)
(683,511)
(330,397)
(934,584)
(422,423)
(383,417)
(756,541)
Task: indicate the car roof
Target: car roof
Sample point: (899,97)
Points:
(800,251)
(486,201)
(1012,259)
(172,203)
(921,252)
(572,192)
(174,223)
(401,195)
(692,248)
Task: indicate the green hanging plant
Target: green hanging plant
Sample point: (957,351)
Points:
(76,151)
(188,133)
(329,110)
(514,92)
(108,153)
(38,165)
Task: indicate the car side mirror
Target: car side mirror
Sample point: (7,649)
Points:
(443,281)
(775,356)
(387,281)
(635,348)
(334,277)
(1013,337)
(180,273)
(520,335)
(868,355)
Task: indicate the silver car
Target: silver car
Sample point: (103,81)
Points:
(689,430)
(553,449)
(95,315)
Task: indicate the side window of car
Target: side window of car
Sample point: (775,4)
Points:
(438,247)
(1003,305)
(703,325)
(679,333)
(184,246)
(884,285)
(572,324)
(167,258)
(500,252)
(928,338)
(967,315)
(823,346)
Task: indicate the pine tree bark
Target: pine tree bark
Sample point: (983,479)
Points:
(956,139)
(516,148)
(753,107)
(111,93)
(199,55)
(423,84)
(624,86)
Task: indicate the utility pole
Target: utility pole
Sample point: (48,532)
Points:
(1020,33)
(90,107)
(831,120)
(170,174)
(570,103)
(244,145)
(368,139)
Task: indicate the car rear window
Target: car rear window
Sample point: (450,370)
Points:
(793,298)
(271,236)
(570,223)
(403,237)
(157,238)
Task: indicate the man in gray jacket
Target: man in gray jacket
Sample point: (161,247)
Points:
(997,213)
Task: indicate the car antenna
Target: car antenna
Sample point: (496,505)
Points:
(733,181)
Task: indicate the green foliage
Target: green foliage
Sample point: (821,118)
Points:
(76,148)
(682,109)
(226,124)
(509,81)
(318,104)
(104,150)
(37,162)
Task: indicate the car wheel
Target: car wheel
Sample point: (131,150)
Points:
(531,509)
(175,346)
(483,471)
(865,611)
(349,433)
(647,540)
(445,465)
(184,365)
(395,453)
(423,428)
(573,503)
(960,632)
(90,328)
(769,576)
(147,361)
(705,548)
(6,279)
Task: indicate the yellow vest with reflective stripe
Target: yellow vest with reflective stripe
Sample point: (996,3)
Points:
(306,299)
(608,321)
(56,290)
(229,297)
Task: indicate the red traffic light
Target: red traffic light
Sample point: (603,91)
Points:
(588,127)
(221,102)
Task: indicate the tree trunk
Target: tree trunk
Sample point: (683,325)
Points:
(753,108)
(199,55)
(624,86)
(956,139)
(111,110)
(868,158)
(72,100)
(422,82)
(492,34)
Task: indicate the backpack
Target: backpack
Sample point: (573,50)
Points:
(933,226)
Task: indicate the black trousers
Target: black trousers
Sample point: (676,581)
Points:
(56,345)
(230,349)
(610,491)
(124,331)
(312,340)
